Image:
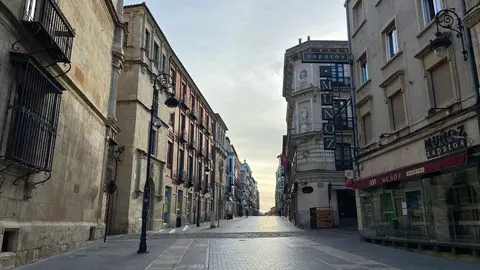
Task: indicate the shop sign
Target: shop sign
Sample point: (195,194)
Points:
(447,142)
(325,57)
(410,172)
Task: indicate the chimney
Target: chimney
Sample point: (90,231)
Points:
(300,41)
(308,38)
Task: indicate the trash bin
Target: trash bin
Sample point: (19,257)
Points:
(179,221)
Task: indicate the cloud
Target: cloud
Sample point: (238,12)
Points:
(234,51)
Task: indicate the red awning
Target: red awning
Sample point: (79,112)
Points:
(411,171)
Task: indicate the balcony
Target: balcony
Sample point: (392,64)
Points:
(190,181)
(180,176)
(184,101)
(193,113)
(48,25)
(201,123)
(183,136)
(192,143)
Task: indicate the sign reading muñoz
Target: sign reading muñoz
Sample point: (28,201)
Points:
(447,142)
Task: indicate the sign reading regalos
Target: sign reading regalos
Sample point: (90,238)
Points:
(447,142)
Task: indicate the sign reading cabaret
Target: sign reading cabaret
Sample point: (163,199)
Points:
(325,57)
(447,142)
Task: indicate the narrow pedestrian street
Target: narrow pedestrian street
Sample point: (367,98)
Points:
(245,243)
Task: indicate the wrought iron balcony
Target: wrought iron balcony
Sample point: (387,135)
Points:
(192,143)
(183,136)
(34,114)
(193,113)
(184,102)
(50,28)
(201,123)
(191,181)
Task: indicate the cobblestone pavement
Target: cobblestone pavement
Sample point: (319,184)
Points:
(248,248)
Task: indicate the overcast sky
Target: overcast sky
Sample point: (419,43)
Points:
(233,49)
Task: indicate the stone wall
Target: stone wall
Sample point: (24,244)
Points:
(65,212)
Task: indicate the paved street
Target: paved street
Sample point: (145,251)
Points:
(253,243)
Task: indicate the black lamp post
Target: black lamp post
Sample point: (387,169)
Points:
(446,19)
(207,171)
(165,81)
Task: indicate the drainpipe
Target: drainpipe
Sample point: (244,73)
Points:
(473,66)
(353,100)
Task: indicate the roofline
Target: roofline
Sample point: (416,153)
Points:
(303,46)
(170,48)
(219,118)
(235,152)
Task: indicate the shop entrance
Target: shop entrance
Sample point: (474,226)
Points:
(347,209)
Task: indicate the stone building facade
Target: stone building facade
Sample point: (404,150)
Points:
(219,161)
(183,161)
(418,124)
(57,103)
(319,142)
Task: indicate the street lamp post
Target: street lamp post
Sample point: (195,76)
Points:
(207,171)
(165,81)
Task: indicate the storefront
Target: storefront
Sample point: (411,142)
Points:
(434,203)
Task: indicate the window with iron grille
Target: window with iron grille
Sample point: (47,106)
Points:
(343,157)
(33,113)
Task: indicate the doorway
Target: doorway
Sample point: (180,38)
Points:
(166,204)
(347,209)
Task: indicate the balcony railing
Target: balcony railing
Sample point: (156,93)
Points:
(51,29)
(33,114)
(184,102)
(201,123)
(183,135)
(192,143)
(193,113)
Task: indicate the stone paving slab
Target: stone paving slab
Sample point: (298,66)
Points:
(114,254)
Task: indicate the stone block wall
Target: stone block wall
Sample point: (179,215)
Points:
(64,213)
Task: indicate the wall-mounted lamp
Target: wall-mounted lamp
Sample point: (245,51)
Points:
(446,18)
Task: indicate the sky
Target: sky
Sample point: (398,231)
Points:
(233,50)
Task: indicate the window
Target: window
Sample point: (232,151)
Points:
(169,154)
(367,126)
(156,56)
(147,41)
(153,146)
(36,105)
(164,62)
(363,68)
(173,72)
(192,131)
(391,42)
(184,92)
(358,14)
(192,102)
(200,141)
(171,121)
(183,122)
(190,169)
(441,85)
(397,110)
(181,161)
(430,8)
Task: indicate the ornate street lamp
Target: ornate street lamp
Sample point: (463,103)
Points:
(165,82)
(446,19)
